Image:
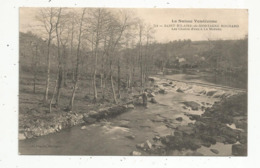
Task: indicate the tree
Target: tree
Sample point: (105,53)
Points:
(46,17)
(70,107)
(97,29)
(140,31)
(58,80)
(34,63)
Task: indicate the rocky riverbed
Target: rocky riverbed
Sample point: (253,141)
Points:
(181,119)
(224,122)
(213,126)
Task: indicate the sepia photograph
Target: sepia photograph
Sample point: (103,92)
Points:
(133,81)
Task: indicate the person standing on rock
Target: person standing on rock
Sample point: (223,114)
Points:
(144,96)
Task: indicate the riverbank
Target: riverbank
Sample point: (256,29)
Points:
(187,112)
(35,119)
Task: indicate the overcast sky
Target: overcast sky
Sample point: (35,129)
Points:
(165,16)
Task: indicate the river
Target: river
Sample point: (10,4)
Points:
(119,135)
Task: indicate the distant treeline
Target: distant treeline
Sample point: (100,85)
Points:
(224,57)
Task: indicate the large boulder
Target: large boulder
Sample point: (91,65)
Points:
(192,104)
(162,91)
(229,132)
(214,151)
(93,114)
(193,116)
(179,119)
(166,84)
(179,90)
(180,143)
(103,112)
(117,110)
(208,139)
(239,150)
(211,92)
(153,100)
(130,137)
(88,119)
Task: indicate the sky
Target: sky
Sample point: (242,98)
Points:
(165,16)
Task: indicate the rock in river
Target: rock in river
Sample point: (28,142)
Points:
(83,127)
(192,104)
(130,137)
(179,119)
(140,146)
(162,91)
(88,119)
(193,116)
(211,92)
(239,149)
(135,153)
(179,90)
(93,114)
(148,145)
(153,100)
(145,146)
(179,142)
(214,151)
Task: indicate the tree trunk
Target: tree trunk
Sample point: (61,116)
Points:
(112,83)
(60,66)
(65,69)
(119,79)
(94,86)
(101,86)
(45,99)
(72,97)
(77,66)
(35,70)
(48,72)
(59,87)
(53,94)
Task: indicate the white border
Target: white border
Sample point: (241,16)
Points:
(9,19)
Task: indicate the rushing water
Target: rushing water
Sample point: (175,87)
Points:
(111,137)
(209,78)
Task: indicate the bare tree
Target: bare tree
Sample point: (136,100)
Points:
(34,63)
(46,16)
(57,82)
(140,31)
(78,61)
(117,28)
(98,19)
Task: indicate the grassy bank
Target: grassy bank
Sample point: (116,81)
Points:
(35,119)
